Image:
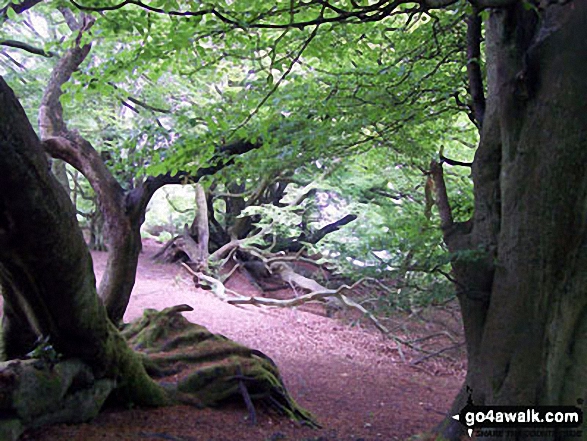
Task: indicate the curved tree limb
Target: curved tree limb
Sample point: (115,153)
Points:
(27,47)
(51,122)
(123,212)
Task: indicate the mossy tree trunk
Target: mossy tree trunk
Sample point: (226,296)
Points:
(46,270)
(524,299)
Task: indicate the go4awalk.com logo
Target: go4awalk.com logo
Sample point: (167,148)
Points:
(536,420)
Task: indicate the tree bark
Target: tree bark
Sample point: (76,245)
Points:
(524,301)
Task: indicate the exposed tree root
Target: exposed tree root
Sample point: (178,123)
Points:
(209,369)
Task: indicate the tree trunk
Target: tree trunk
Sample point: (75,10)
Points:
(45,267)
(524,301)
(198,251)
(97,240)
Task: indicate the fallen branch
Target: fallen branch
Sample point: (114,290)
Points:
(236,243)
(436,353)
(323,294)
(218,287)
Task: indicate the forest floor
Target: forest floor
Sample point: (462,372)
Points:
(359,384)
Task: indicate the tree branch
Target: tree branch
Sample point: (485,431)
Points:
(51,122)
(474,66)
(81,155)
(72,23)
(147,106)
(317,293)
(19,8)
(138,102)
(455,162)
(26,47)
(19,65)
(370,13)
(437,175)
(138,198)
(315,237)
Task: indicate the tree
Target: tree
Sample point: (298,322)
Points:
(122,211)
(523,303)
(53,293)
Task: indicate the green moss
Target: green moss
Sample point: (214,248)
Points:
(135,385)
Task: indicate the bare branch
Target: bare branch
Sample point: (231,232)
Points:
(320,294)
(370,13)
(211,11)
(455,162)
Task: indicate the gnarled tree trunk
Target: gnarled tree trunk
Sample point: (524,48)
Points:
(46,271)
(524,302)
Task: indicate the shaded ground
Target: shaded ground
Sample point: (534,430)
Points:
(355,381)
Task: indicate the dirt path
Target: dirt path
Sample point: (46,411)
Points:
(352,379)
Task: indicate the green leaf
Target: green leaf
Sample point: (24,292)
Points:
(11,13)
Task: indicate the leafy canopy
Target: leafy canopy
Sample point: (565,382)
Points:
(376,92)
